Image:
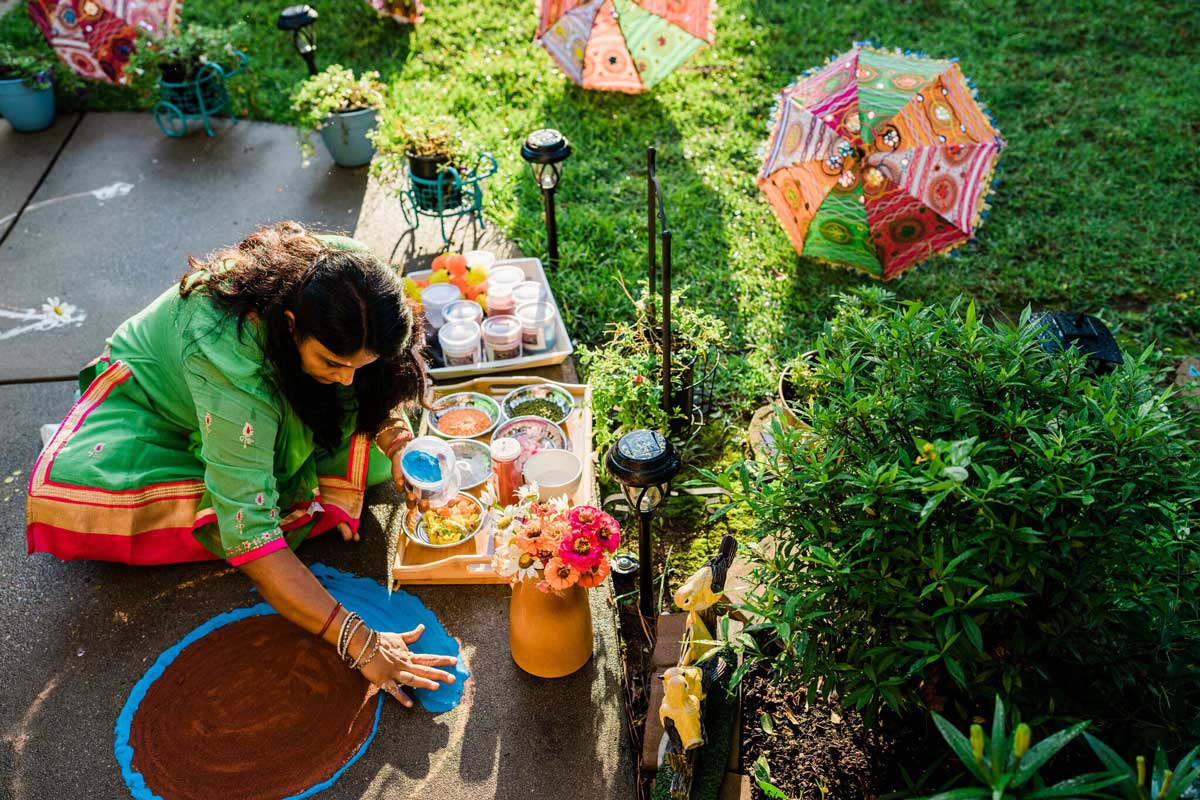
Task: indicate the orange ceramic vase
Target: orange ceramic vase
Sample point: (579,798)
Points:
(549,633)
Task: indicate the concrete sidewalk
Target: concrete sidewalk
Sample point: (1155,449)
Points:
(76,636)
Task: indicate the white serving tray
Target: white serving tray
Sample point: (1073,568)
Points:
(563,347)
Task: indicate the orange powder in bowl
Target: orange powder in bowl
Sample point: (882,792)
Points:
(463,422)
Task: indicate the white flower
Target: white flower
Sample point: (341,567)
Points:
(560,504)
(488,497)
(528,493)
(529,572)
(505,567)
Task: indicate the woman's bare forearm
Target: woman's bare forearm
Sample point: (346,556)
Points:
(294,592)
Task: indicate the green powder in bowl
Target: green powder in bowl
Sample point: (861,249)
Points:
(538,407)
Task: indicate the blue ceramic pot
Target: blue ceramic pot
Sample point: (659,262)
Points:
(27,109)
(346,137)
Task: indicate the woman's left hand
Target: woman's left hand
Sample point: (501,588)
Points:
(397,470)
(395,666)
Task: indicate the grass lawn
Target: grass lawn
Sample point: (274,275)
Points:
(1097,197)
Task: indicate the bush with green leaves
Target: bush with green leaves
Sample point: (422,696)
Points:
(626,372)
(969,514)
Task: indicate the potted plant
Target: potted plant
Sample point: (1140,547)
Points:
(26,89)
(177,58)
(344,108)
(424,149)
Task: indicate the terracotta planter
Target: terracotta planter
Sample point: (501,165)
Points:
(549,633)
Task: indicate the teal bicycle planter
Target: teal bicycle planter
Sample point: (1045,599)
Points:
(26,108)
(451,194)
(345,136)
(201,98)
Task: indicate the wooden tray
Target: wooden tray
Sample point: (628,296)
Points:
(471,562)
(556,355)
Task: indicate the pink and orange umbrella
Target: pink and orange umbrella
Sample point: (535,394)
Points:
(623,45)
(879,160)
(96,37)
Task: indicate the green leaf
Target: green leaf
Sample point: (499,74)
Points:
(762,776)
(1109,758)
(1043,751)
(971,629)
(767,723)
(1081,786)
(998,758)
(970,793)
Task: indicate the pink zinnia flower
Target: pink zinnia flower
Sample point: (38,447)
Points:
(560,575)
(585,518)
(595,576)
(580,550)
(609,535)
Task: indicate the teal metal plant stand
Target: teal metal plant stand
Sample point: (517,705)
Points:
(200,98)
(451,194)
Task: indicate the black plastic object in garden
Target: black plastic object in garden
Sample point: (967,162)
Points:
(1062,331)
(692,392)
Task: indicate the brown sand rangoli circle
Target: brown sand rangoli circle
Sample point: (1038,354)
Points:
(255,709)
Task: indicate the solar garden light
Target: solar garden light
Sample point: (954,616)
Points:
(300,20)
(546,149)
(1063,330)
(644,463)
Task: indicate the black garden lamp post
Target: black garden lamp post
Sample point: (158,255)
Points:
(546,149)
(299,20)
(644,463)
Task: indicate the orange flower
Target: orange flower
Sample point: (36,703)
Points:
(559,575)
(595,576)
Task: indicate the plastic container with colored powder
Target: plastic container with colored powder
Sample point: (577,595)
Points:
(501,337)
(434,298)
(530,292)
(500,300)
(460,343)
(462,311)
(505,274)
(537,326)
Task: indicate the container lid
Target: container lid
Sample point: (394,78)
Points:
(505,449)
(531,290)
(462,310)
(535,313)
(499,291)
(502,326)
(439,294)
(506,273)
(484,258)
(459,335)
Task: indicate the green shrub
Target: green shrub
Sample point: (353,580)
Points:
(626,372)
(32,68)
(968,515)
(333,89)
(186,50)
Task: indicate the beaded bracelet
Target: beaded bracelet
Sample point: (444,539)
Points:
(345,651)
(345,633)
(371,644)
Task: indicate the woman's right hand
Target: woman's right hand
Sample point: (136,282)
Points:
(395,665)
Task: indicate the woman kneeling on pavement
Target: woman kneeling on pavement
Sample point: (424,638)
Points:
(243,411)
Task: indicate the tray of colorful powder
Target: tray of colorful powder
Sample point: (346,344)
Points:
(546,400)
(470,561)
(464,415)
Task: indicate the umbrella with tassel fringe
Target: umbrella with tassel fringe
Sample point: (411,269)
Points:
(879,160)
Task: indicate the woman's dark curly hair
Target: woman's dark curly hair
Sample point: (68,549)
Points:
(348,300)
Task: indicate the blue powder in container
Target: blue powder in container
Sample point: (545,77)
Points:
(421,466)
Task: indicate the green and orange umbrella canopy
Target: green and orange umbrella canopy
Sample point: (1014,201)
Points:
(879,160)
(623,45)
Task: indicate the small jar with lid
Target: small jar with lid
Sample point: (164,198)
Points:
(501,337)
(505,472)
(460,343)
(530,292)
(500,300)
(539,328)
(463,311)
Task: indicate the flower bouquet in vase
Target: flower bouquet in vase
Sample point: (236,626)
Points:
(551,552)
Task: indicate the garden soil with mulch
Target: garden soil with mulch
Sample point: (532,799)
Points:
(823,747)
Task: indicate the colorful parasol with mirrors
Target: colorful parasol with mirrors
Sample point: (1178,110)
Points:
(879,160)
(623,45)
(96,37)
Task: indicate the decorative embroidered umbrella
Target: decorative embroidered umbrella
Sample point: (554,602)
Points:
(96,37)
(623,45)
(879,160)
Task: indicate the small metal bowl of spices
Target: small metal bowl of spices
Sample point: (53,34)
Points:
(474,461)
(463,415)
(544,400)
